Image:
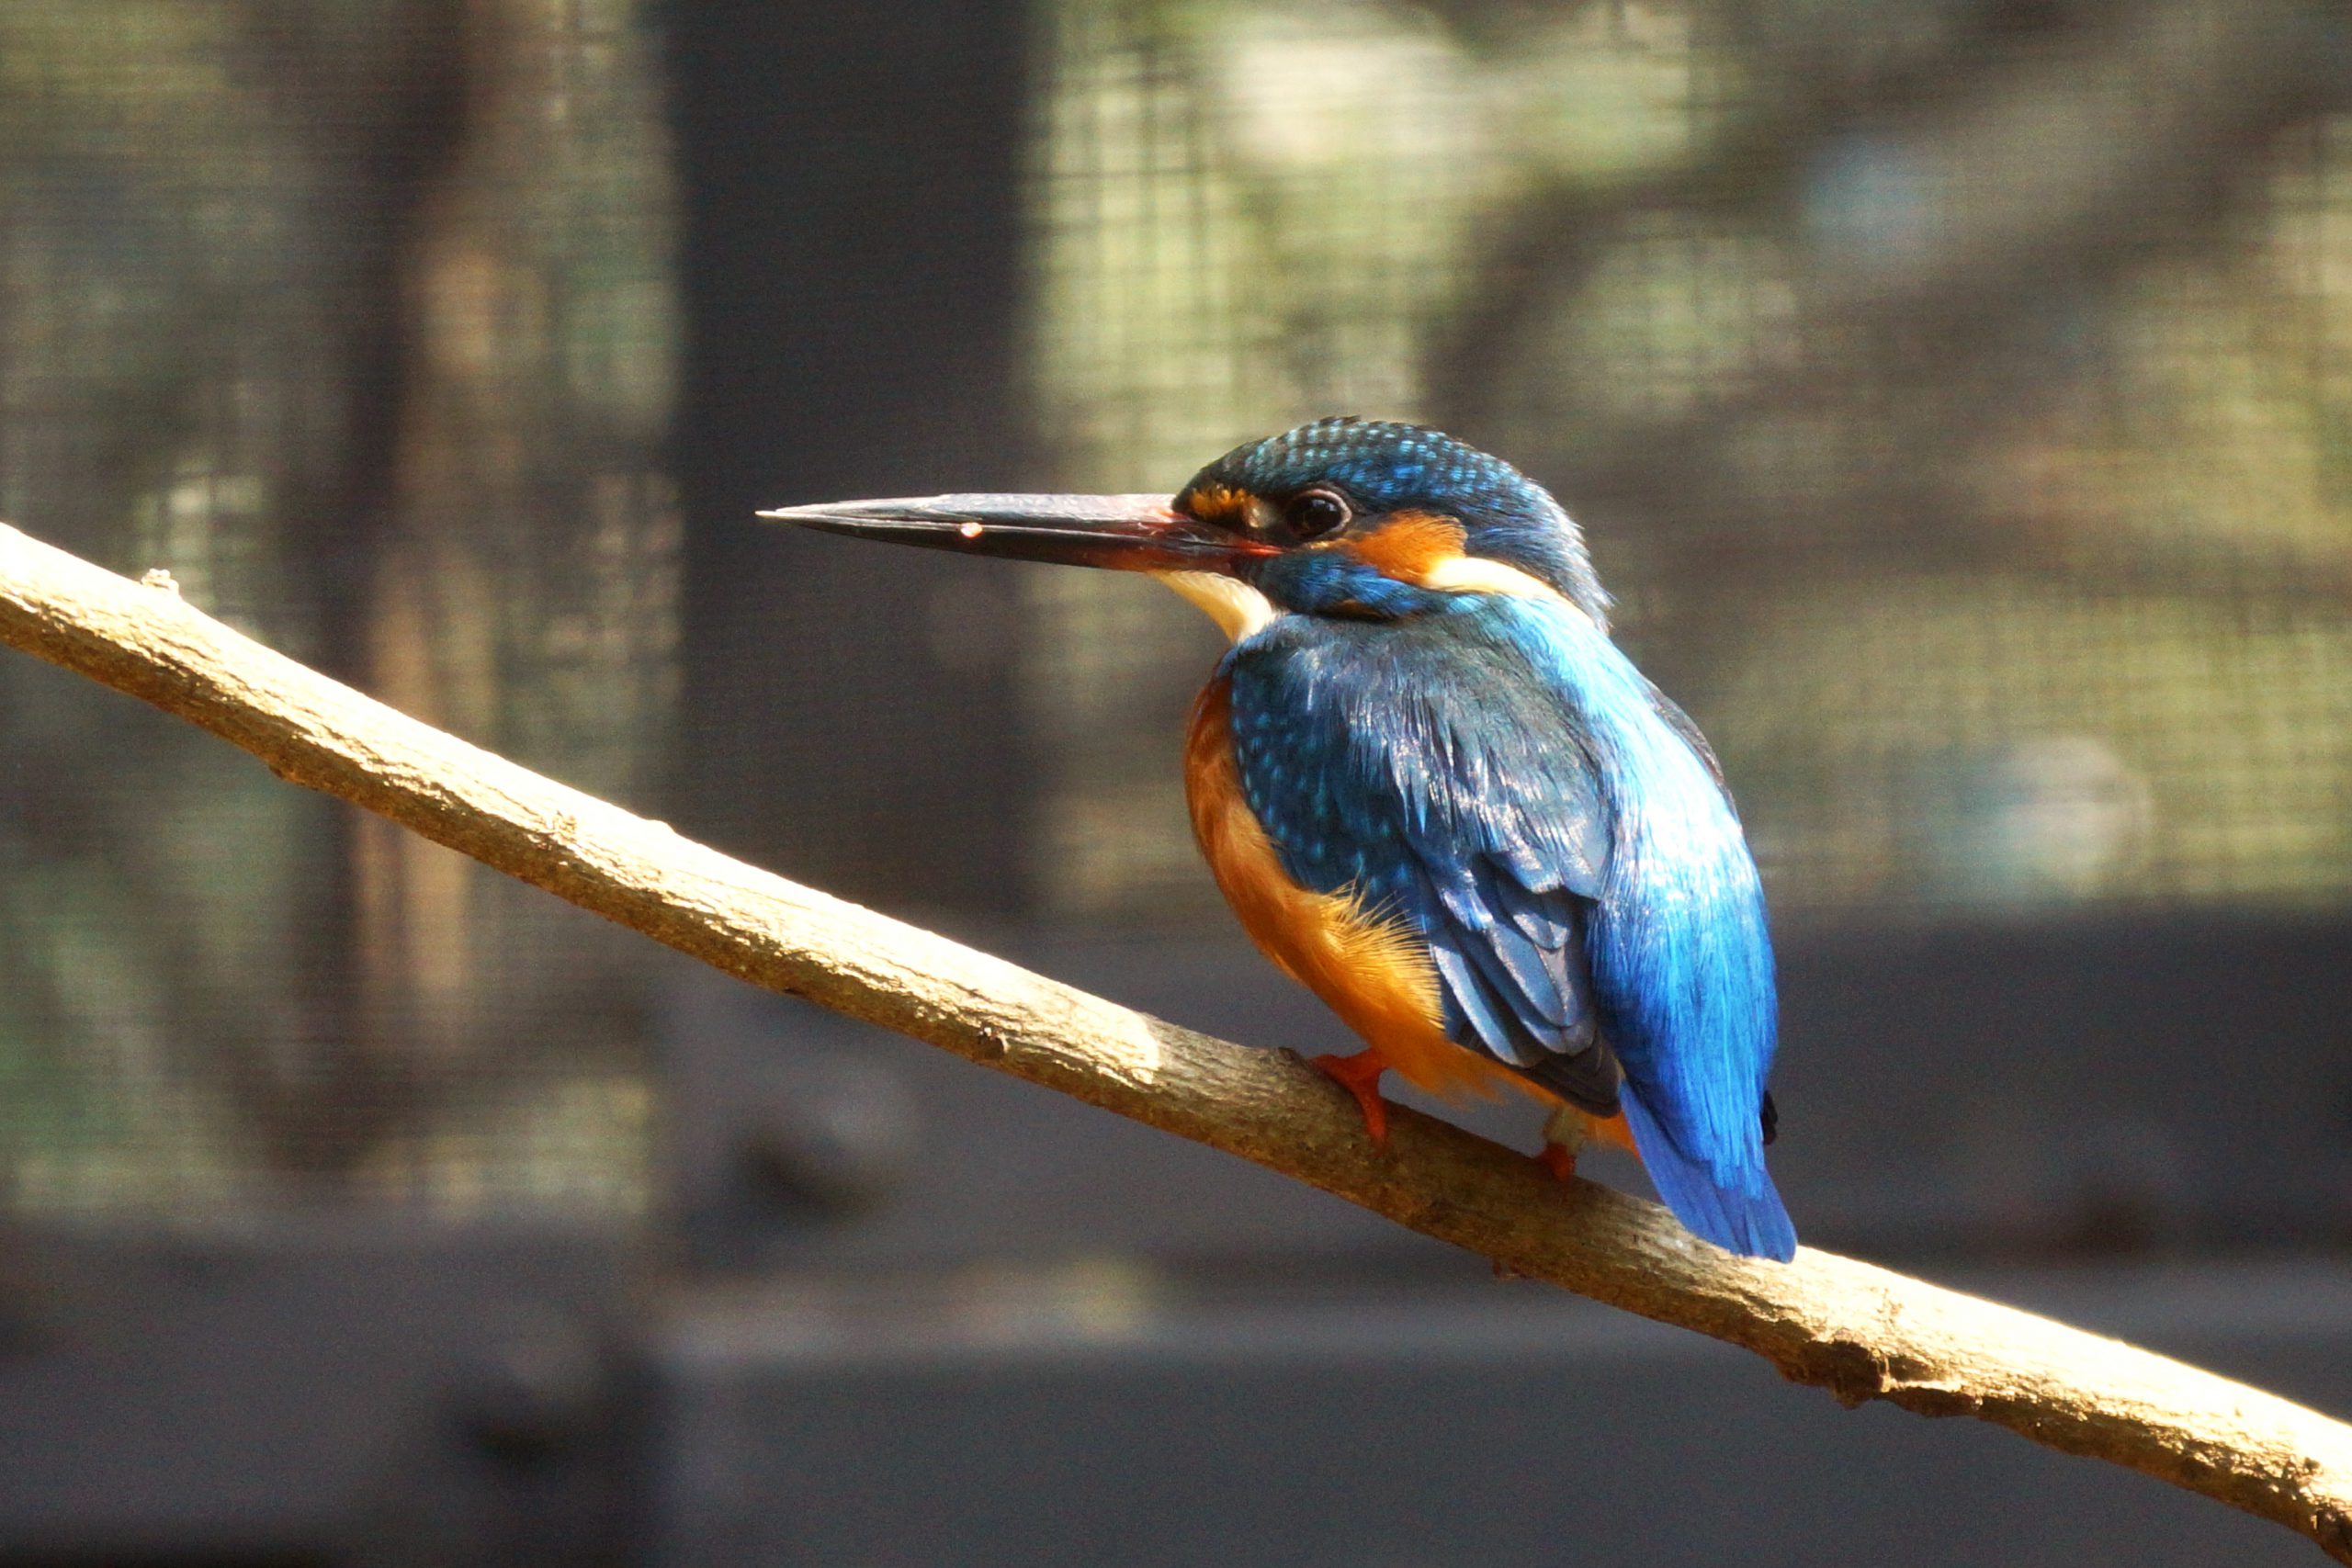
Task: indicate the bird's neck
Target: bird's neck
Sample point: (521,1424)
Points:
(1454,585)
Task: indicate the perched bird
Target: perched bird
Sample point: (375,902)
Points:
(1436,793)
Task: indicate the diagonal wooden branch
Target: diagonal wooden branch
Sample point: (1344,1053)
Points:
(1860,1332)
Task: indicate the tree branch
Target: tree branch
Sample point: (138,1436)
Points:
(1860,1332)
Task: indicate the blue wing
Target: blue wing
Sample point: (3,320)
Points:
(1446,792)
(1530,804)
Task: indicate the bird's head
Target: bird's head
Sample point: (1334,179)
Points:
(1347,517)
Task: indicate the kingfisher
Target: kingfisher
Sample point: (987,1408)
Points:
(1438,795)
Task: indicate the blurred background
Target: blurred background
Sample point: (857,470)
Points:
(1958,394)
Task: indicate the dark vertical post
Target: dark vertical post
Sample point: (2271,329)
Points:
(852,274)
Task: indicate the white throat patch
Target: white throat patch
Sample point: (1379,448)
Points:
(1238,610)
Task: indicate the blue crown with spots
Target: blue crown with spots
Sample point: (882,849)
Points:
(1388,467)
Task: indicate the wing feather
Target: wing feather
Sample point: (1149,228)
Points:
(1456,795)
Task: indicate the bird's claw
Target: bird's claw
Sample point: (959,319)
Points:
(1359,1076)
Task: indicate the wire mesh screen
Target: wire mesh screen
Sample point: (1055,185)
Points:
(1956,395)
(354,319)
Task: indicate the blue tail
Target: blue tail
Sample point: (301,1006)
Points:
(1748,1219)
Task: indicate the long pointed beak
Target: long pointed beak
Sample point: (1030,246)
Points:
(1130,533)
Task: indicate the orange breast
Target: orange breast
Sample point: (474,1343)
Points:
(1376,974)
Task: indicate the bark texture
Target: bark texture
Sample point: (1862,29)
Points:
(1860,1332)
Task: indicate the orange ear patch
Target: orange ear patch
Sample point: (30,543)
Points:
(1409,546)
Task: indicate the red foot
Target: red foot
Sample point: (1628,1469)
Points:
(1560,1160)
(1359,1076)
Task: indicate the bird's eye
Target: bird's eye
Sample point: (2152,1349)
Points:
(1314,512)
